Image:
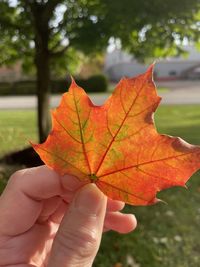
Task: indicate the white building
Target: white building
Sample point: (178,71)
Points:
(119,63)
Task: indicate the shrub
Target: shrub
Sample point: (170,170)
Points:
(96,83)
(5,89)
(18,88)
(24,88)
(59,86)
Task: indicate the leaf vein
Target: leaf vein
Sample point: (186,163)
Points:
(145,163)
(81,132)
(113,139)
(122,190)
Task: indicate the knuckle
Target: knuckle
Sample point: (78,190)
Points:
(83,242)
(16,177)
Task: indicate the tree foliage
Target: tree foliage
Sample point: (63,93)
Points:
(147,29)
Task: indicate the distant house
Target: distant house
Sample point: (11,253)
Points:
(12,73)
(119,63)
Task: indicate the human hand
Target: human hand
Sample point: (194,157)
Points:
(48,220)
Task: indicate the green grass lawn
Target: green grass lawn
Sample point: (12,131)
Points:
(167,234)
(17,128)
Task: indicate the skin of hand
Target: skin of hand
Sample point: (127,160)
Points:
(47,220)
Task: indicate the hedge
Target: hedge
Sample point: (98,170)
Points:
(96,83)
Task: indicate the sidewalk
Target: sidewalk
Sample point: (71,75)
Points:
(180,93)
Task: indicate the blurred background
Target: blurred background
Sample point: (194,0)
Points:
(43,42)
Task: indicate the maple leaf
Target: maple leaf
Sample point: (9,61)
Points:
(116,145)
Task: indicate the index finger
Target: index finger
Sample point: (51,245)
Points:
(21,201)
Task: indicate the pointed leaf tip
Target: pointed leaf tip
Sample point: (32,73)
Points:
(150,69)
(161,201)
(73,82)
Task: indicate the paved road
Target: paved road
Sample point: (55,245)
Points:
(180,93)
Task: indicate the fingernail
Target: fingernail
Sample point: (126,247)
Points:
(89,200)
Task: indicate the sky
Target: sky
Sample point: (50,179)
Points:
(13,2)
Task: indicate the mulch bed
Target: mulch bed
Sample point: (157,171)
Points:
(26,157)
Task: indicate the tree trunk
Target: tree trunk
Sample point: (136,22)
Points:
(42,12)
(43,90)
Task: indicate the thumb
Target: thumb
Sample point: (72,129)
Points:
(79,235)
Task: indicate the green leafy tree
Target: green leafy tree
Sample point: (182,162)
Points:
(45,33)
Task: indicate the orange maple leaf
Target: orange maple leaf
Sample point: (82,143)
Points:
(116,145)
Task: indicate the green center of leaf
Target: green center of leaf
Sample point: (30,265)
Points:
(93,177)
